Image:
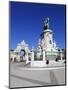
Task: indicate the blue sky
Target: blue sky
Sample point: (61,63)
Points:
(27,20)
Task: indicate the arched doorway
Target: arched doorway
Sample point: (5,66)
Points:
(14,59)
(22,54)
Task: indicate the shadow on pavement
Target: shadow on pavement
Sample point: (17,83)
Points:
(53,78)
(31,80)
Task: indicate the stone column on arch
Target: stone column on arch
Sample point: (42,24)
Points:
(32,55)
(27,58)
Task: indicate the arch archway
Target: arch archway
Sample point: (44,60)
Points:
(22,52)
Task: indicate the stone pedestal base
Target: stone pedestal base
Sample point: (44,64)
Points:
(38,63)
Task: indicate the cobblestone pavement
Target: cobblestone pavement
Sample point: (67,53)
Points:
(21,77)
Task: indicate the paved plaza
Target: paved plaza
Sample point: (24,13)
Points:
(22,75)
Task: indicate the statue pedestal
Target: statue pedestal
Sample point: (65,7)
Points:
(38,63)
